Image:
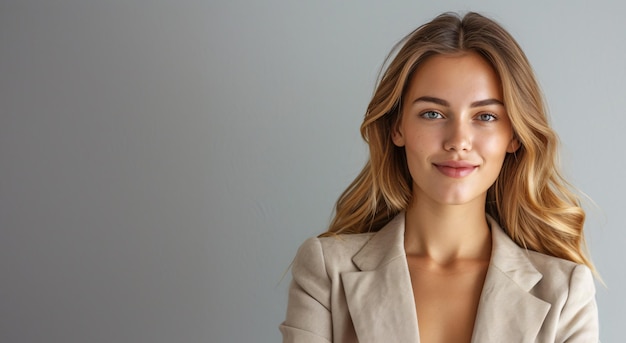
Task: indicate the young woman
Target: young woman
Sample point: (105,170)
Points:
(460,227)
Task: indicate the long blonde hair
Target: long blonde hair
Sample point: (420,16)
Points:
(530,198)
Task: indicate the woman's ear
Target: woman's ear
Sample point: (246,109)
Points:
(514,144)
(396,135)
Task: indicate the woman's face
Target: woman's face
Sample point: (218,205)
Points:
(455,129)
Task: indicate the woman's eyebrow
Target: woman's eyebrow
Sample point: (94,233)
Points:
(487,102)
(433,100)
(479,103)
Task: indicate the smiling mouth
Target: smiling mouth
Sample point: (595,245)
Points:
(457,170)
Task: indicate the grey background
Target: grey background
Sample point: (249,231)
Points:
(161,161)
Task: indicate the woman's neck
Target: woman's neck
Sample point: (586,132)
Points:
(446,234)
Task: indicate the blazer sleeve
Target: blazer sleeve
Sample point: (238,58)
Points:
(308,310)
(579,316)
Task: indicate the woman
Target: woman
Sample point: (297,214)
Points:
(460,227)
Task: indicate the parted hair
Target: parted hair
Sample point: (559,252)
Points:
(530,199)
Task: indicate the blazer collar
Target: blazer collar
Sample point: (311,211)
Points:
(380,296)
(385,246)
(507,311)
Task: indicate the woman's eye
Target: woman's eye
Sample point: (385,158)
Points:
(431,115)
(487,117)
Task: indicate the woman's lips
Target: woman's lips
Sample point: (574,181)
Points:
(456,169)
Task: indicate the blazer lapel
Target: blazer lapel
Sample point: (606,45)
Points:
(381,303)
(507,312)
(380,295)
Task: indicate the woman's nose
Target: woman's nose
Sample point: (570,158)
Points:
(458,137)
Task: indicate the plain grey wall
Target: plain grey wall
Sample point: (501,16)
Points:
(161,161)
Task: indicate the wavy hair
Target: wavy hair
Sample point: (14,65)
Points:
(530,198)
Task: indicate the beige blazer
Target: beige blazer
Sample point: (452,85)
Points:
(357,288)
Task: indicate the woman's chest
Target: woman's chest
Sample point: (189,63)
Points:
(446,299)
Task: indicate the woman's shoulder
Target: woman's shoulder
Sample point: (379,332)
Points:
(552,265)
(556,272)
(333,252)
(559,273)
(337,245)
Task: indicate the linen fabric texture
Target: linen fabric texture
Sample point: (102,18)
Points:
(357,288)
